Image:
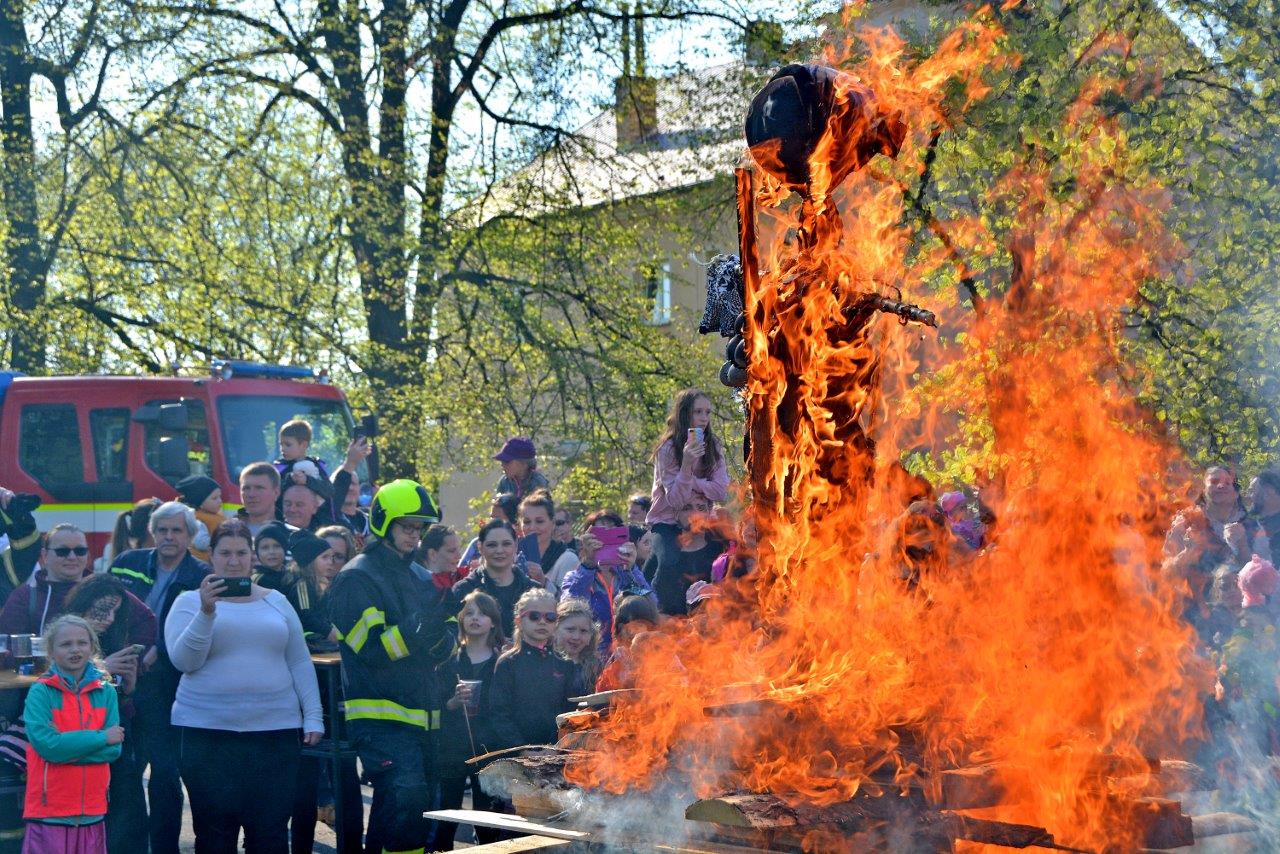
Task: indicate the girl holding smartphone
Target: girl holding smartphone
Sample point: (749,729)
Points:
(688,460)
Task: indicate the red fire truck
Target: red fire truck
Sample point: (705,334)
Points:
(91,446)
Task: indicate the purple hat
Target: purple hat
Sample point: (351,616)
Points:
(516,448)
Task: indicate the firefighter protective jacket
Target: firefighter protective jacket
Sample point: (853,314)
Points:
(395,630)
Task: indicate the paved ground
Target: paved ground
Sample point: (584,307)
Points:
(325,839)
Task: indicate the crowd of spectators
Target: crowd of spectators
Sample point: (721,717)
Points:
(193,633)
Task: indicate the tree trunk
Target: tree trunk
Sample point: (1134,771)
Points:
(24,264)
(444,101)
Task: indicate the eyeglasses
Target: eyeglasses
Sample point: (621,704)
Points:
(560,523)
(64,551)
(541,616)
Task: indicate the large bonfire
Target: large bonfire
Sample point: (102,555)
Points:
(868,657)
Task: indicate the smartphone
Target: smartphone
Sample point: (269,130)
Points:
(528,547)
(610,539)
(698,433)
(359,433)
(235,586)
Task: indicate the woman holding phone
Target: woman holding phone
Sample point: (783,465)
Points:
(603,578)
(688,460)
(548,560)
(248,692)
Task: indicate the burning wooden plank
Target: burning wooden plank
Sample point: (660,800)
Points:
(1159,822)
(532,781)
(605,698)
(768,814)
(537,768)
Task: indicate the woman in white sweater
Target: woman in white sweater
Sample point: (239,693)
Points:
(248,690)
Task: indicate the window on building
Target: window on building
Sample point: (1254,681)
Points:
(109,430)
(49,443)
(658,292)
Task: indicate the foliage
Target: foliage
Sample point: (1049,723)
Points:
(1200,340)
(299,184)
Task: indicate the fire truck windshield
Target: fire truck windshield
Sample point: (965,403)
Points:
(250,426)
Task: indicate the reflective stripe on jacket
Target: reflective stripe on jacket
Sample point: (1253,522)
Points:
(395,629)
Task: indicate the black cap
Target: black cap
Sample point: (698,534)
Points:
(195,489)
(305,547)
(277,531)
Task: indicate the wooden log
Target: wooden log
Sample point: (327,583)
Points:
(508,751)
(1177,775)
(535,774)
(971,788)
(748,810)
(1159,822)
(536,768)
(537,803)
(1003,833)
(1221,824)
(580,719)
(865,824)
(581,740)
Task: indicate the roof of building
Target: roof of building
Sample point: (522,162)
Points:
(697,137)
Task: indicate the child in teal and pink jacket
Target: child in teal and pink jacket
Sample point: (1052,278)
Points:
(73,726)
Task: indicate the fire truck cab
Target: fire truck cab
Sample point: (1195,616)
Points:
(91,446)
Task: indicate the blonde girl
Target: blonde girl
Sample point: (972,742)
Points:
(578,639)
(531,683)
(74,733)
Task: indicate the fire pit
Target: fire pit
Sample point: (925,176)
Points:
(871,689)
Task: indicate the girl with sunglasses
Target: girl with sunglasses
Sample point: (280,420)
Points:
(64,560)
(531,682)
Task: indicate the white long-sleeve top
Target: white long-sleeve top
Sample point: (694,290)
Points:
(245,668)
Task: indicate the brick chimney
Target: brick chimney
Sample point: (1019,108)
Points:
(762,43)
(635,110)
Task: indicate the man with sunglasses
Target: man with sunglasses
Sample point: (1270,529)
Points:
(64,560)
(563,530)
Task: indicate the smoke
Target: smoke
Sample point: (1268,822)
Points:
(1244,731)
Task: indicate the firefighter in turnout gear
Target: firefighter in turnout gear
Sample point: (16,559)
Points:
(395,629)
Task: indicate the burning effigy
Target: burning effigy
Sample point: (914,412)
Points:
(877,685)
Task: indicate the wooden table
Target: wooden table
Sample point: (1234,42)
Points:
(11,681)
(335,746)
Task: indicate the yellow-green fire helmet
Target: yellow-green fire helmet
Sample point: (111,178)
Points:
(401,499)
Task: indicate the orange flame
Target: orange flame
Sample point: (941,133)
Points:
(870,653)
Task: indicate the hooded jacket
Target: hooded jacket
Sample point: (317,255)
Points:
(395,630)
(68,757)
(30,607)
